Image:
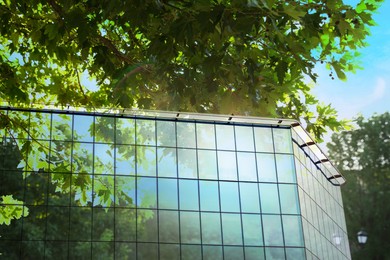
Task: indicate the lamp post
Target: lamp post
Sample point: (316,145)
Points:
(337,239)
(362,237)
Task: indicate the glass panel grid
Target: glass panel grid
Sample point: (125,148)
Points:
(153,189)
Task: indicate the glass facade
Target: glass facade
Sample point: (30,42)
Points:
(115,186)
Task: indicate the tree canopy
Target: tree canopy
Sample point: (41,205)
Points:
(242,57)
(363,156)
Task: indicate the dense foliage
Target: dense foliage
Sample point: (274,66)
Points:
(363,155)
(241,57)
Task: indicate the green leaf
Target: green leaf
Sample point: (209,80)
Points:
(10,209)
(361,7)
(294,12)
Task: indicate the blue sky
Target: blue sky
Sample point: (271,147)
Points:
(368,91)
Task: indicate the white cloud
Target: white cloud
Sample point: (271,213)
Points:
(379,91)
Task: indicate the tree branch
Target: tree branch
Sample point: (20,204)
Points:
(108,43)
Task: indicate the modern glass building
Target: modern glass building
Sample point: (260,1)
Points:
(162,185)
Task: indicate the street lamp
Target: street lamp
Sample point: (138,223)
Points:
(337,239)
(362,237)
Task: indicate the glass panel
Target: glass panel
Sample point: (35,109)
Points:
(269,198)
(35,222)
(292,230)
(103,190)
(59,196)
(103,224)
(227,165)
(231,226)
(146,225)
(80,250)
(125,191)
(146,132)
(209,200)
(190,227)
(125,131)
(40,125)
(146,161)
(36,187)
(167,165)
(205,136)
(249,197)
(166,133)
(82,159)
(254,253)
(125,224)
(61,127)
(211,228)
(125,250)
(83,128)
(289,199)
(103,250)
(186,135)
(283,142)
(266,167)
(212,252)
(167,194)
(146,193)
(168,226)
(229,197)
(38,158)
(53,249)
(125,160)
(58,229)
(147,251)
(104,159)
(274,253)
(247,167)
(191,252)
(253,232)
(233,253)
(60,156)
(244,138)
(31,248)
(273,235)
(264,140)
(285,166)
(225,137)
(23,119)
(169,251)
(80,223)
(207,164)
(104,129)
(189,196)
(187,163)
(295,253)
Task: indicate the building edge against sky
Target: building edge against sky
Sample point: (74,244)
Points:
(262,174)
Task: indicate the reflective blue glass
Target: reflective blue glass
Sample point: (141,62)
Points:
(231,226)
(272,227)
(229,197)
(266,167)
(166,162)
(211,228)
(209,198)
(167,194)
(227,167)
(189,199)
(190,227)
(246,163)
(269,198)
(244,138)
(249,194)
